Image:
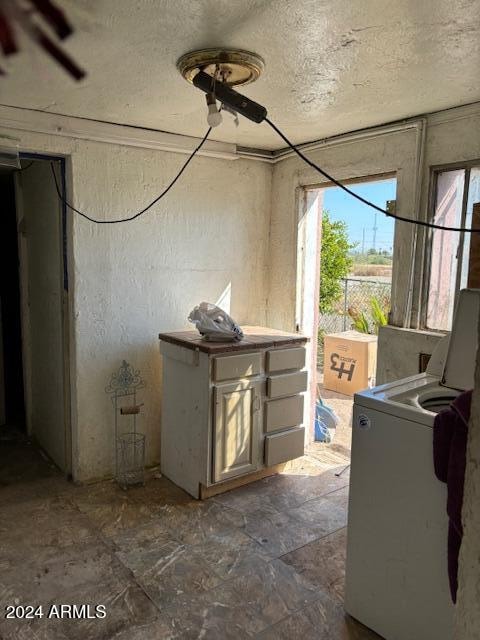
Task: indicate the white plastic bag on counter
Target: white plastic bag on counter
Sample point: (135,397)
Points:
(214,324)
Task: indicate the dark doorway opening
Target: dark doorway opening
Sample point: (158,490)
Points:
(32,424)
(13,403)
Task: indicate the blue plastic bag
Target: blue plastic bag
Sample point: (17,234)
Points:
(325,422)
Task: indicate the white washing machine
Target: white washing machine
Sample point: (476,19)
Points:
(396,572)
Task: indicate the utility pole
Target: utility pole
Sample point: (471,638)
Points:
(375,232)
(363,240)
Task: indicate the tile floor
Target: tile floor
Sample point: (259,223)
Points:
(263,561)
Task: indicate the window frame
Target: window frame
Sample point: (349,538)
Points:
(435,171)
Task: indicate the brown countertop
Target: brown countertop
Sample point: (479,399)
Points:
(254,338)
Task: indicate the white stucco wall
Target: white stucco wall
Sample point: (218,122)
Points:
(135,280)
(225,224)
(132,281)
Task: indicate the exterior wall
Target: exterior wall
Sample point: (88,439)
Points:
(206,239)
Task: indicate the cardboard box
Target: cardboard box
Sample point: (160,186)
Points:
(350,361)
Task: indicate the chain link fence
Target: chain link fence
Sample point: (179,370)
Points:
(357,295)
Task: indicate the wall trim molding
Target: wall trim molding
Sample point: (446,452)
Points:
(33,121)
(454,113)
(345,138)
(438,117)
(349,138)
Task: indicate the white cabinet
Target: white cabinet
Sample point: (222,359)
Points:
(230,411)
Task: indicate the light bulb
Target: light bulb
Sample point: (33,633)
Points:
(214,117)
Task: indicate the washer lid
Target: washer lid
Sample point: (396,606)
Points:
(459,372)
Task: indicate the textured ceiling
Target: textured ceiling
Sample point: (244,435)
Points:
(331,65)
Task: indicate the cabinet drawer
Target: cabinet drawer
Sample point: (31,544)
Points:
(284,359)
(283,413)
(280,447)
(287,385)
(238,366)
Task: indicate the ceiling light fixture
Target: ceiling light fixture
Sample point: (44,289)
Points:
(216,71)
(234,67)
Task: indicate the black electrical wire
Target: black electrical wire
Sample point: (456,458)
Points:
(368,203)
(429,225)
(25,168)
(145,209)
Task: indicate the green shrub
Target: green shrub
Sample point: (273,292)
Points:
(335,262)
(378,313)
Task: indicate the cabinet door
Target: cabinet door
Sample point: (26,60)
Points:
(236,431)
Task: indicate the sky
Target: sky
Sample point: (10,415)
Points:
(358,216)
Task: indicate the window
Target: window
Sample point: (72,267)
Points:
(456,191)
